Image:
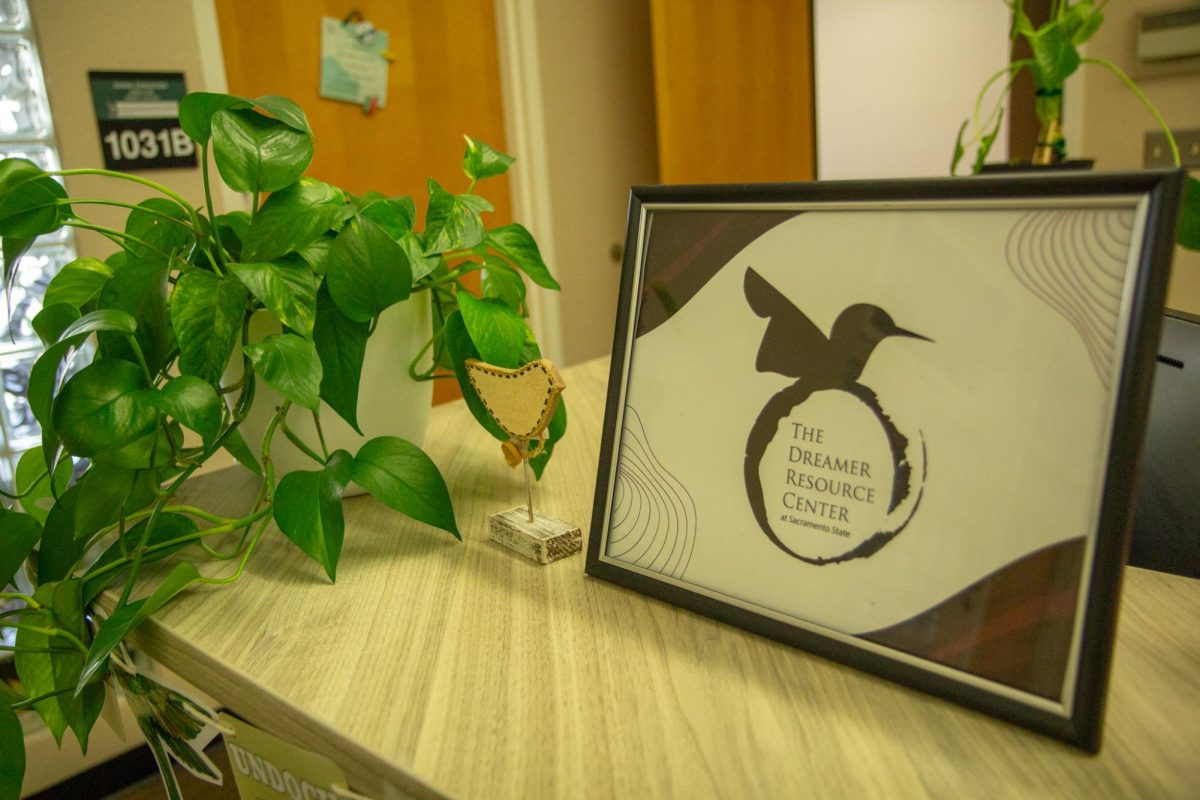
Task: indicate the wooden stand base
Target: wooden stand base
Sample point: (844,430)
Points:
(544,540)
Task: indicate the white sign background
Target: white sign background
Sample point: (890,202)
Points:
(1014,414)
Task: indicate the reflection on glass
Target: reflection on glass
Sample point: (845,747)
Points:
(20,427)
(23,110)
(25,132)
(8,636)
(33,274)
(45,157)
(13,15)
(39,154)
(18,419)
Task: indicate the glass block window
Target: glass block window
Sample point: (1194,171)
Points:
(26,131)
(14,16)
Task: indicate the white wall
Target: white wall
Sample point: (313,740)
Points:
(1113,122)
(579,111)
(133,35)
(895,79)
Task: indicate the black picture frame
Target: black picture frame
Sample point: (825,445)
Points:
(683,313)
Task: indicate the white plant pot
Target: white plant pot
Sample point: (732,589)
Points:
(390,403)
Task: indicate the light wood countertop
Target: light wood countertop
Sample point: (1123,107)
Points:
(438,667)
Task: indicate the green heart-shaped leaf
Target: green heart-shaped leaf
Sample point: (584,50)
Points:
(232,229)
(168,528)
(396,216)
(501,282)
(53,319)
(414,249)
(14,248)
(399,474)
(43,376)
(518,246)
(554,431)
(236,446)
(316,254)
(483,161)
(102,493)
(156,447)
(294,217)
(60,548)
(113,320)
(12,746)
(35,666)
(193,402)
(497,331)
(341,345)
(308,510)
(78,283)
(127,618)
(155,224)
(140,289)
(19,533)
(29,200)
(255,153)
(206,314)
(32,481)
(460,348)
(290,366)
(288,290)
(452,221)
(59,669)
(367,271)
(196,111)
(284,110)
(101,409)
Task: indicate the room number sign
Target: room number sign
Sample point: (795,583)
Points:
(138,117)
(145,144)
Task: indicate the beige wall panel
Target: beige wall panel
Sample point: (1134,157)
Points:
(598,110)
(1114,123)
(131,35)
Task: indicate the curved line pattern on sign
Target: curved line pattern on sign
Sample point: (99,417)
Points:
(653,516)
(1075,262)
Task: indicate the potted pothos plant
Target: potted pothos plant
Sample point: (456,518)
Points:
(163,316)
(1055,48)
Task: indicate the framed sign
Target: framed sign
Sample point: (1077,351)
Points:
(894,423)
(138,117)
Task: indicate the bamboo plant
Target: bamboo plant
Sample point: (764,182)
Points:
(1055,48)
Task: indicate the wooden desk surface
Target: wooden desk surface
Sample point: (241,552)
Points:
(438,667)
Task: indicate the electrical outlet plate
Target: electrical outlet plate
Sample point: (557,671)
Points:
(1157,152)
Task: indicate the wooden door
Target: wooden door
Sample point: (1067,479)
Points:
(443,83)
(733,83)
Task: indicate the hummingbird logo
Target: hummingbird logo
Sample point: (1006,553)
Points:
(793,346)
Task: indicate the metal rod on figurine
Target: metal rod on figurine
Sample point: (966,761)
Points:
(522,402)
(528,485)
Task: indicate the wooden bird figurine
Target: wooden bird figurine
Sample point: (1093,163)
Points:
(522,401)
